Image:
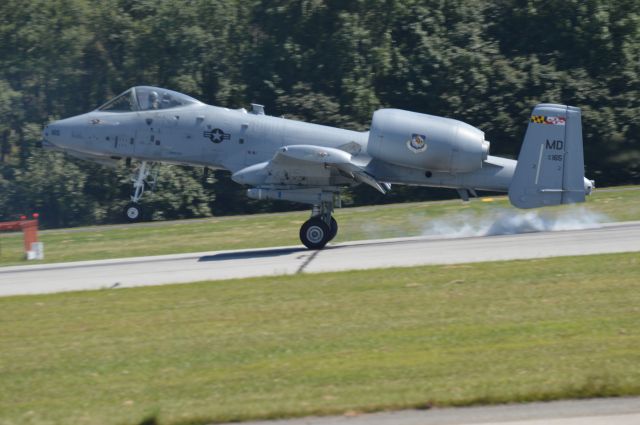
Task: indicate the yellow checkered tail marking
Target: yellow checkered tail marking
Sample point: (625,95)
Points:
(538,119)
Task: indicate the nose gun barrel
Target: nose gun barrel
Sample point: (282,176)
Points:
(46,142)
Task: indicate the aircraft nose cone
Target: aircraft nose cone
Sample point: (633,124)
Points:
(51,134)
(60,133)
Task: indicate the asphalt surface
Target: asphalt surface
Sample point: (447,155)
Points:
(182,268)
(608,411)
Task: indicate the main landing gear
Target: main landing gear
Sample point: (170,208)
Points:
(321,228)
(145,174)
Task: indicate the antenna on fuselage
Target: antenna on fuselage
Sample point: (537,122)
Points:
(257,109)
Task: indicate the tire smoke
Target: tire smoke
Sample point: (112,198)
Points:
(508,222)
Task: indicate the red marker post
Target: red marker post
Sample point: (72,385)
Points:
(29,230)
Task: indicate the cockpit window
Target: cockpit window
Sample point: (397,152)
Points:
(155,98)
(123,103)
(145,98)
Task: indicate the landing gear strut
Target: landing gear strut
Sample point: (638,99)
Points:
(321,228)
(144,174)
(316,232)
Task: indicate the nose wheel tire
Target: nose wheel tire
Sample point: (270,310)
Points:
(133,212)
(315,233)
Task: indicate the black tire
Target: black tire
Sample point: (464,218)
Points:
(133,212)
(333,229)
(314,233)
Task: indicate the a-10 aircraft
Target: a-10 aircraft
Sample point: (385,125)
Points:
(309,163)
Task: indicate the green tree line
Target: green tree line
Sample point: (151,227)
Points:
(326,61)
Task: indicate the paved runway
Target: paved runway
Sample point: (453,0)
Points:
(608,411)
(181,268)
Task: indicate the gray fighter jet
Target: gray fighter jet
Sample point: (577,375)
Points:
(309,163)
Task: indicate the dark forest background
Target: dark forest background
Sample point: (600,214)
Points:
(326,61)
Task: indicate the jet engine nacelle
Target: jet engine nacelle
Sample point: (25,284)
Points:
(426,142)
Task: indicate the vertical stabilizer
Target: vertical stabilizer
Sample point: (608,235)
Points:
(550,169)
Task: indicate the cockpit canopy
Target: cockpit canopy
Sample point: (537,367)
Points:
(146,98)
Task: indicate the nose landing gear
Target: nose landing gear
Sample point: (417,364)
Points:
(145,174)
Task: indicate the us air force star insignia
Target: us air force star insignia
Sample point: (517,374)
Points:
(217,135)
(417,143)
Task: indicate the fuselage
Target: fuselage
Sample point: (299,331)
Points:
(199,134)
(188,132)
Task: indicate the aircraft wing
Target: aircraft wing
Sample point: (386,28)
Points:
(306,163)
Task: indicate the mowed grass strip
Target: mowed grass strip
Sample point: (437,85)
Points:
(265,230)
(324,343)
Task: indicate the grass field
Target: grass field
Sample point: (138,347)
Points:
(282,229)
(324,343)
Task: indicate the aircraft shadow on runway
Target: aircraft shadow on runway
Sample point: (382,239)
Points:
(262,253)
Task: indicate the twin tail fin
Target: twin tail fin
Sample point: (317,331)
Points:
(550,168)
